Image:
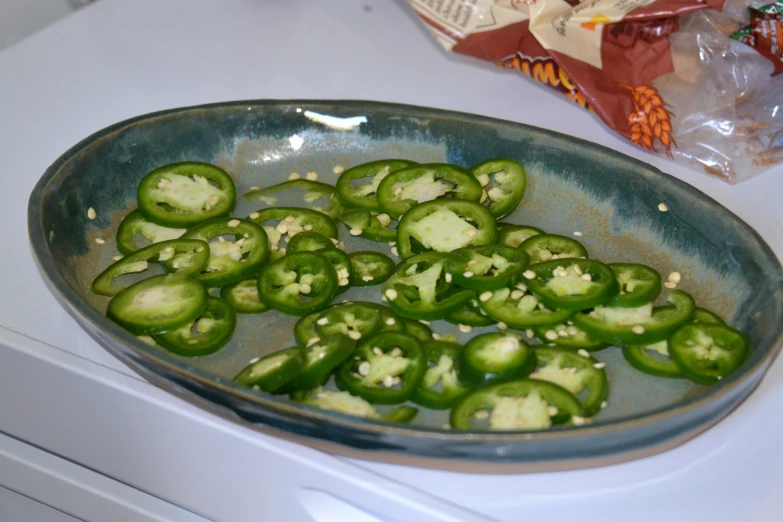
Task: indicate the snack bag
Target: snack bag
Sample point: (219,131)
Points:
(695,80)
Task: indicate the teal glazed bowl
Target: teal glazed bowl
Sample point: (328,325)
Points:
(573,185)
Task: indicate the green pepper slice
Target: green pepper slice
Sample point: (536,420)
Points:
(158,304)
(639,284)
(640,325)
(584,377)
(273,371)
(654,359)
(180,195)
(342,266)
(440,388)
(361,222)
(365,194)
(135,224)
(229,261)
(470,314)
(390,321)
(404,189)
(308,241)
(370,268)
(417,329)
(298,284)
(313,192)
(289,221)
(418,289)
(190,258)
(243,297)
(385,369)
(488,267)
(321,359)
(304,329)
(571,284)
(568,335)
(344,402)
(545,247)
(213,328)
(510,180)
(444,226)
(515,235)
(522,404)
(706,353)
(517,307)
(495,357)
(354,320)
(701,315)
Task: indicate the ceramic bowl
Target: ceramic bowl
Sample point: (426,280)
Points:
(573,185)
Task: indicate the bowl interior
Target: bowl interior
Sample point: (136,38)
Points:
(573,186)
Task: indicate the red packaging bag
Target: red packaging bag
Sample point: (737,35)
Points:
(665,74)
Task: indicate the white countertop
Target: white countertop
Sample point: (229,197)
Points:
(121,58)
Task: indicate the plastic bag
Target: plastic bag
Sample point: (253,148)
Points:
(692,80)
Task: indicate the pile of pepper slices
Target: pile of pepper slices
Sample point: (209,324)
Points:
(458,263)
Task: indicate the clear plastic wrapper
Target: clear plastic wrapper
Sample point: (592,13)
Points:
(697,81)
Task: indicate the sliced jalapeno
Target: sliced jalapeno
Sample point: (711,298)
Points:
(321,359)
(206,335)
(509,179)
(701,315)
(495,357)
(180,195)
(583,376)
(273,371)
(312,192)
(370,268)
(243,297)
(654,359)
(638,284)
(418,289)
(444,226)
(522,404)
(158,304)
(440,388)
(571,284)
(385,369)
(304,329)
(517,307)
(364,195)
(298,284)
(286,222)
(354,320)
(403,189)
(375,228)
(229,261)
(308,241)
(135,224)
(191,256)
(487,267)
(417,329)
(640,325)
(545,247)
(470,314)
(344,402)
(342,266)
(568,335)
(706,353)
(515,235)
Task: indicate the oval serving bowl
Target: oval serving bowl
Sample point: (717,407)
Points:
(573,185)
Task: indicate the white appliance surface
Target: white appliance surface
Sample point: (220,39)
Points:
(120,58)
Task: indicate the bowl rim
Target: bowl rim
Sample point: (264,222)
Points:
(158,359)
